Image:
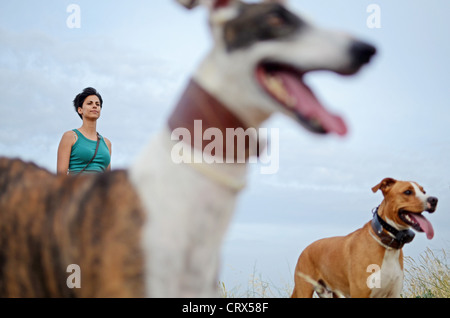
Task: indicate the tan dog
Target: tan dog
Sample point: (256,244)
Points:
(369,261)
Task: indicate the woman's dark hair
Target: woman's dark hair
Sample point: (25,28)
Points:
(79,99)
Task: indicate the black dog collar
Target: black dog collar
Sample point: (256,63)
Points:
(389,235)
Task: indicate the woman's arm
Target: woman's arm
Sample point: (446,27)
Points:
(109,144)
(64,150)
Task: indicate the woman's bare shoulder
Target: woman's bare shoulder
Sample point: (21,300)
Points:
(69,137)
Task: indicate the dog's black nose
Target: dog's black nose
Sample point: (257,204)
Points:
(431,204)
(361,52)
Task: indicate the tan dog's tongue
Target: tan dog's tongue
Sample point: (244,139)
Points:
(424,224)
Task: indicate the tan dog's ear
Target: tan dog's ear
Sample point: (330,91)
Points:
(385,185)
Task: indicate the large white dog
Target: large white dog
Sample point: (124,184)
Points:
(156,230)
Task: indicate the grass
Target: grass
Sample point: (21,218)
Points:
(428,276)
(257,287)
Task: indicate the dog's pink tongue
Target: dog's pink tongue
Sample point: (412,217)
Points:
(424,224)
(309,107)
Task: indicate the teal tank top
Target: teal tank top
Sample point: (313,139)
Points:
(82,152)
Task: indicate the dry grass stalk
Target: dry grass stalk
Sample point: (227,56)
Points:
(427,277)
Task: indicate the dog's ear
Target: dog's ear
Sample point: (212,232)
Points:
(216,4)
(276,1)
(189,4)
(213,4)
(385,185)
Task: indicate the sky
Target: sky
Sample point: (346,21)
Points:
(140,54)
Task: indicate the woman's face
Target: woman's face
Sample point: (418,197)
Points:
(91,107)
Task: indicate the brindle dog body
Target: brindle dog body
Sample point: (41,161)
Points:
(92,221)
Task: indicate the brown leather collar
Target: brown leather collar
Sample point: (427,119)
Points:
(388,235)
(198,104)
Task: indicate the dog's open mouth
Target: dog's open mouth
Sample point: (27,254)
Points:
(285,84)
(418,222)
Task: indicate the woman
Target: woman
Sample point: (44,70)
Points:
(77,147)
